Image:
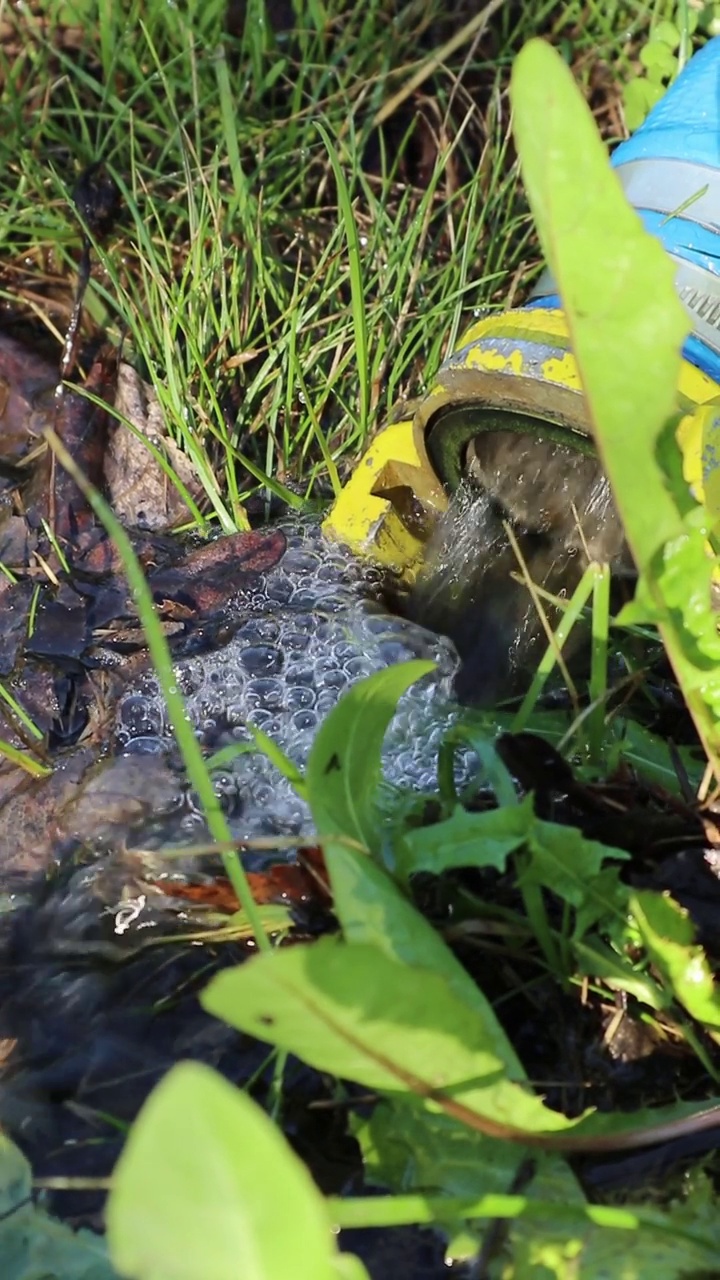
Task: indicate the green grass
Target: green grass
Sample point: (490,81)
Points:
(283,271)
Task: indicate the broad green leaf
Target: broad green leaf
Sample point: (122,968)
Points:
(567,1246)
(34,1246)
(657,56)
(668,33)
(651,755)
(627,327)
(407,1148)
(349,1010)
(343,771)
(598,961)
(370,906)
(466,840)
(372,909)
(559,857)
(604,904)
(685,575)
(665,1244)
(208,1187)
(348,1267)
(639,97)
(668,934)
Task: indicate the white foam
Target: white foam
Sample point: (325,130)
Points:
(311,631)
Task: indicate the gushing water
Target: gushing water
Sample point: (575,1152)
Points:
(470,588)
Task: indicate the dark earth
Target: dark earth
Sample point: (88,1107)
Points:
(90,1018)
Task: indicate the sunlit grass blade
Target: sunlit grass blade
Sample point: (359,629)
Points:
(357,290)
(20,713)
(571,617)
(25,761)
(599,660)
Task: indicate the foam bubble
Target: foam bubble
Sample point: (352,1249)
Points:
(312,629)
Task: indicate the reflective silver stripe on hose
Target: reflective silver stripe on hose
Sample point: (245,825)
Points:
(678,188)
(697,289)
(699,292)
(685,189)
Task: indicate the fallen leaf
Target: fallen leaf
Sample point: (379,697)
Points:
(140,491)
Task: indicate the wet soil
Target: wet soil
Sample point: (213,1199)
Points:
(94,1007)
(99,974)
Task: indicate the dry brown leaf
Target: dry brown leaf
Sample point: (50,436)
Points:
(142,495)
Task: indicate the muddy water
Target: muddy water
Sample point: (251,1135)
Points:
(310,628)
(90,1017)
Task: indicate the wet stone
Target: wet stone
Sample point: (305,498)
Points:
(122,793)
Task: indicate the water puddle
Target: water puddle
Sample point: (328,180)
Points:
(309,631)
(90,1015)
(106,940)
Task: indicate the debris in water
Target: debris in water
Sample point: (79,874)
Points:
(27,386)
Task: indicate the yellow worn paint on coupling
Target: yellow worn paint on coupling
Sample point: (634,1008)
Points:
(562,370)
(689,438)
(388,499)
(698,435)
(394,496)
(517,361)
(491,358)
(536,324)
